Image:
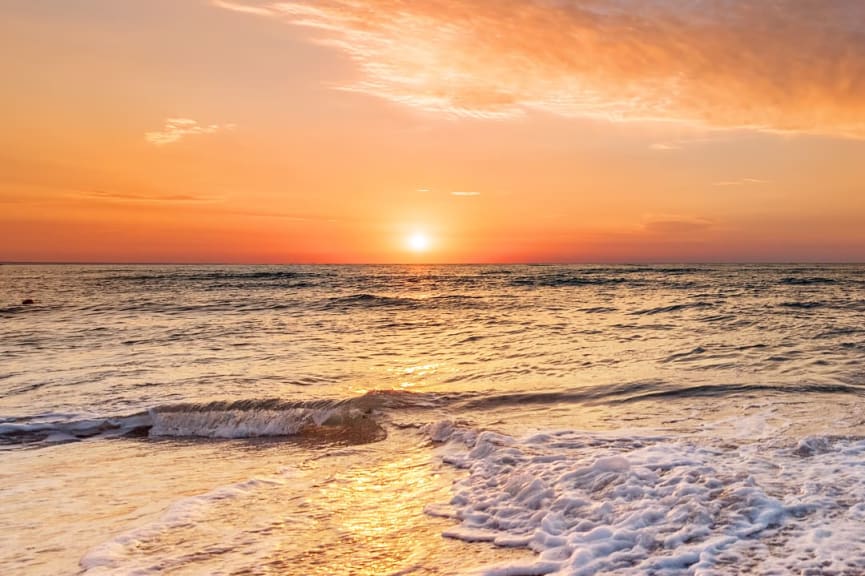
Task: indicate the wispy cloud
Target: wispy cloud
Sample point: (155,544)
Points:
(458,193)
(741,182)
(674,225)
(290,217)
(716,135)
(665,146)
(112,196)
(615,59)
(202,204)
(175,129)
(244,8)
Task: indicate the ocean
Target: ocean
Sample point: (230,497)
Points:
(432,420)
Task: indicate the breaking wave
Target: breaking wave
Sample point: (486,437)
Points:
(355,420)
(360,419)
(268,418)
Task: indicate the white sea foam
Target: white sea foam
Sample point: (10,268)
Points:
(598,504)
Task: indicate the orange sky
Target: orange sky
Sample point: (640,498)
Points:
(505,131)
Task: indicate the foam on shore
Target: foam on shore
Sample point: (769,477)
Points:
(596,504)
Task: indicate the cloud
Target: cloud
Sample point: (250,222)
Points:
(784,65)
(175,129)
(203,204)
(148,198)
(244,8)
(741,182)
(664,146)
(676,225)
(291,217)
(459,193)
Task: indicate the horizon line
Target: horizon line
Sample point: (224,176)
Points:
(480,263)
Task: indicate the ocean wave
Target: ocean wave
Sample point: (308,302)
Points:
(806,305)
(588,394)
(699,351)
(27,431)
(214,275)
(369,301)
(353,420)
(672,308)
(20,309)
(563,280)
(807,281)
(723,390)
(360,419)
(598,310)
(210,281)
(14,309)
(837,331)
(646,390)
(365,300)
(262,418)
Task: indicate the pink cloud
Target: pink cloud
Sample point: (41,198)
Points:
(786,65)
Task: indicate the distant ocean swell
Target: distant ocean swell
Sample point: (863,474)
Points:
(455,277)
(361,301)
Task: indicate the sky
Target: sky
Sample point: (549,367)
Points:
(349,131)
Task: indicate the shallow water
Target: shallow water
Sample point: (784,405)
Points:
(432,420)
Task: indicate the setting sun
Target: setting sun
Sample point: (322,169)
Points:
(418,242)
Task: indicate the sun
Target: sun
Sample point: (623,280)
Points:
(418,242)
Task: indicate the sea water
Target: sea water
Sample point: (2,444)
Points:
(432,420)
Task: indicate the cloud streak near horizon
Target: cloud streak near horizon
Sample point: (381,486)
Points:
(786,66)
(176,129)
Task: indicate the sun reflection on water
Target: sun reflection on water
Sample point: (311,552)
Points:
(375,512)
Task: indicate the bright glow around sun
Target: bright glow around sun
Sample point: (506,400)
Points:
(418,242)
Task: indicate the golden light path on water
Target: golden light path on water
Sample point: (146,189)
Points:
(238,510)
